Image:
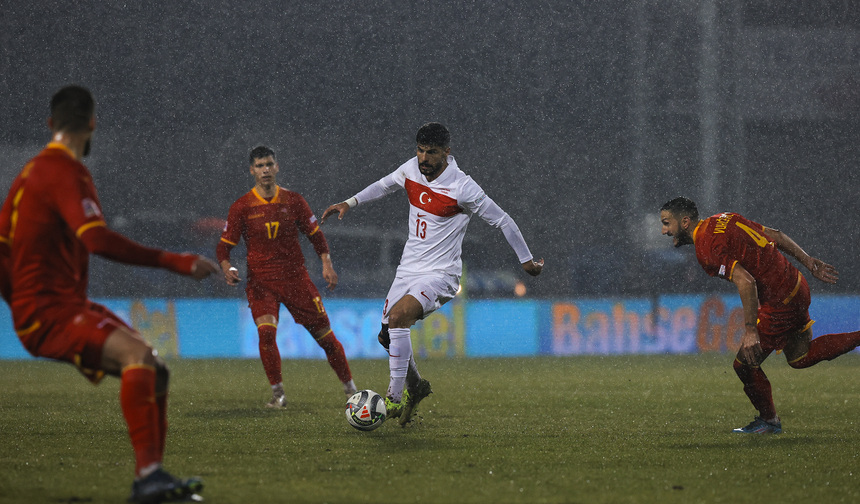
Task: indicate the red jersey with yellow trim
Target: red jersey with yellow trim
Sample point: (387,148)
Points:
(271,230)
(724,240)
(50,204)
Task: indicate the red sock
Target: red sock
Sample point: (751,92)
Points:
(827,347)
(137,399)
(757,388)
(161,403)
(336,357)
(269,353)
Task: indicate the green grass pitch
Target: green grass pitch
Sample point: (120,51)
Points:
(621,429)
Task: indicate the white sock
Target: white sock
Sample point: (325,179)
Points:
(399,354)
(349,388)
(278,387)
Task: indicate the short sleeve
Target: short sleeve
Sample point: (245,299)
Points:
(233,229)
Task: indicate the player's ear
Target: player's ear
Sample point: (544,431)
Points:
(50,123)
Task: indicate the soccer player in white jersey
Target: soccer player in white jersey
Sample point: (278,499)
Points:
(442,199)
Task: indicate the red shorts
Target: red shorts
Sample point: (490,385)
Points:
(297,293)
(72,333)
(779,321)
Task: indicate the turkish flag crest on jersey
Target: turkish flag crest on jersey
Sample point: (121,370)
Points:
(426,199)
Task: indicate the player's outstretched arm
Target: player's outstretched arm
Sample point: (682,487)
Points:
(111,245)
(339,208)
(533,267)
(202,268)
(819,269)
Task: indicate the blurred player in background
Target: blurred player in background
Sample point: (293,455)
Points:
(50,223)
(442,200)
(269,219)
(774,294)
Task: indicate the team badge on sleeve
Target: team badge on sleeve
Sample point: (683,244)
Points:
(722,272)
(91,209)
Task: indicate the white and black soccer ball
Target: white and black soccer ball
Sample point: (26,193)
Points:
(365,410)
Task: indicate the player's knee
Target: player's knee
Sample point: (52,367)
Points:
(399,319)
(383,337)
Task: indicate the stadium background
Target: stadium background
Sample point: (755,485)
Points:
(579,118)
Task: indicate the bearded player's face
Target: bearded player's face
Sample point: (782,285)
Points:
(676,228)
(432,159)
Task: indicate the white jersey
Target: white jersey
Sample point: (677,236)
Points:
(439,212)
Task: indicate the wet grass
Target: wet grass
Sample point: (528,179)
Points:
(628,429)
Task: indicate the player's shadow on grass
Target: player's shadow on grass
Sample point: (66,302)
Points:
(758,440)
(222,413)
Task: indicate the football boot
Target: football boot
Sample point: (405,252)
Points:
(160,486)
(760,426)
(413,397)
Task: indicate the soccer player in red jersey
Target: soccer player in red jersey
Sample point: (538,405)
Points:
(774,295)
(50,223)
(269,219)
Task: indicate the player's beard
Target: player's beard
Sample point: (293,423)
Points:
(429,170)
(682,237)
(87,147)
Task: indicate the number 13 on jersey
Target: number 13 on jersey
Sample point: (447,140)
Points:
(421,228)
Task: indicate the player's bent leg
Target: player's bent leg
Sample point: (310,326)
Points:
(758,389)
(126,354)
(801,351)
(401,317)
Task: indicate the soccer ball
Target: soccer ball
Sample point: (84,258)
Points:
(365,410)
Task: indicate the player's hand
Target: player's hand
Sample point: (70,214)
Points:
(533,267)
(823,271)
(231,274)
(340,208)
(750,351)
(329,274)
(202,268)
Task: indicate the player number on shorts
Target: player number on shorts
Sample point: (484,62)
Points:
(272,227)
(318,303)
(420,228)
(760,240)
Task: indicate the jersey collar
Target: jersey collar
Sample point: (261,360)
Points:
(274,198)
(695,231)
(62,147)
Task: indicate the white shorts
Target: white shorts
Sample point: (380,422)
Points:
(432,291)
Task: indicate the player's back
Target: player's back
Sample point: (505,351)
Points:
(725,239)
(48,262)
